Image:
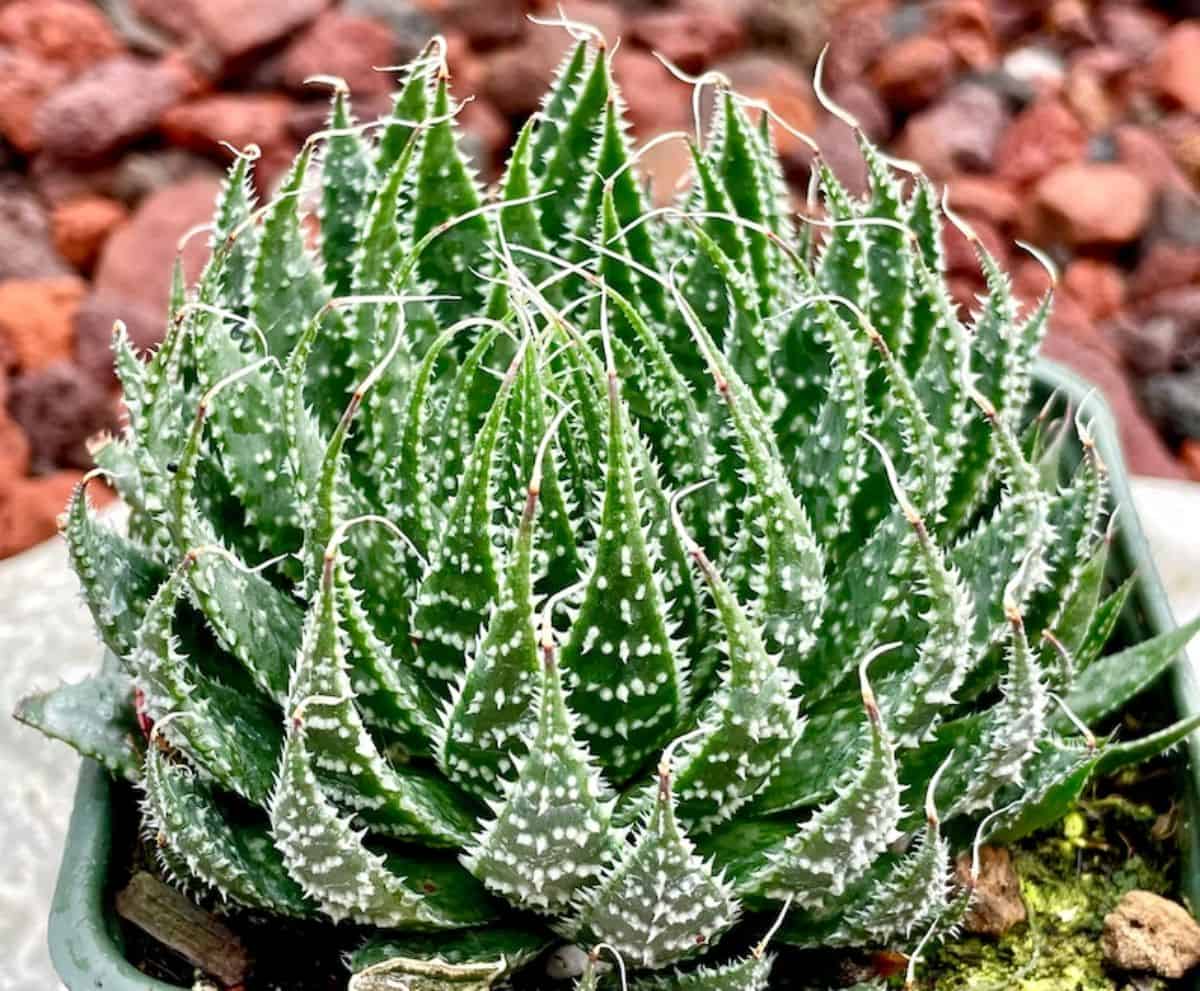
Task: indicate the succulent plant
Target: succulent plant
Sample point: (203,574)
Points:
(537,563)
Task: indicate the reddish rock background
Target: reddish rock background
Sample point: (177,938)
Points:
(1070,124)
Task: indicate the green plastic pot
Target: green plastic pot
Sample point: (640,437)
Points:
(85,939)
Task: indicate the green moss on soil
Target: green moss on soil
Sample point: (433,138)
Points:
(1071,877)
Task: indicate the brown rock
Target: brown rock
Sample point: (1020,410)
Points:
(1145,453)
(1098,286)
(985,197)
(997,905)
(655,100)
(81,227)
(60,407)
(66,33)
(1045,135)
(94,328)
(959,133)
(37,317)
(1165,265)
(108,106)
(231,29)
(29,509)
(342,45)
(1093,203)
(136,261)
(914,72)
(1175,71)
(25,83)
(1148,933)
(691,38)
(240,119)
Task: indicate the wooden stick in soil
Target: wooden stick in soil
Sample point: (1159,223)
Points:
(198,936)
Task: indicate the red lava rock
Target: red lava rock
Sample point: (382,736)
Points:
(1145,452)
(867,107)
(342,45)
(857,36)
(1132,28)
(1148,345)
(1098,286)
(961,258)
(483,122)
(1093,203)
(655,100)
(26,248)
(465,65)
(1091,87)
(797,30)
(964,290)
(913,72)
(691,38)
(30,507)
(1071,21)
(1175,71)
(81,227)
(25,83)
(959,133)
(841,152)
(67,33)
(966,25)
(137,258)
(106,107)
(1046,134)
(487,25)
(789,93)
(667,165)
(514,79)
(1165,265)
(1030,280)
(231,29)
(1189,457)
(60,407)
(14,445)
(238,118)
(1144,152)
(94,329)
(985,197)
(36,318)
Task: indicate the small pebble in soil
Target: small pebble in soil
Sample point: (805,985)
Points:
(1151,934)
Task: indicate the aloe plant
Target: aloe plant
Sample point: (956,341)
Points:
(532,564)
